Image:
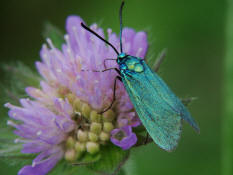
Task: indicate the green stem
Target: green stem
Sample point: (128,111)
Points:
(227,144)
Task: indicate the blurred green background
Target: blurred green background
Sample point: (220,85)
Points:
(193,33)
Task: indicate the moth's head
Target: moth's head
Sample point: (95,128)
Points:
(121,56)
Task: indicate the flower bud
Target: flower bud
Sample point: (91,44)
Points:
(82,135)
(108,127)
(86,110)
(80,147)
(92,137)
(108,116)
(71,155)
(92,147)
(62,91)
(94,116)
(95,127)
(70,142)
(77,104)
(70,97)
(104,136)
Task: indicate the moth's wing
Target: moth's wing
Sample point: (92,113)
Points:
(162,122)
(160,113)
(167,95)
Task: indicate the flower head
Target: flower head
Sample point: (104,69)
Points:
(61,118)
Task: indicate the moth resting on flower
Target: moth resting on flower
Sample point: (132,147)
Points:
(159,109)
(60,120)
(69,116)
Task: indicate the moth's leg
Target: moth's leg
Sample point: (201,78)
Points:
(113,68)
(114,89)
(119,73)
(107,60)
(147,138)
(117,70)
(114,94)
(187,101)
(99,70)
(159,60)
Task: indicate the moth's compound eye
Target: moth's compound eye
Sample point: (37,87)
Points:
(121,55)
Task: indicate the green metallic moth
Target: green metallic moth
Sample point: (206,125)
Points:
(159,109)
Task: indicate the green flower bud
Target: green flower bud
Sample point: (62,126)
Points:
(104,136)
(92,137)
(71,155)
(70,142)
(95,117)
(62,91)
(86,110)
(108,116)
(70,97)
(108,127)
(77,104)
(95,127)
(82,135)
(80,147)
(92,147)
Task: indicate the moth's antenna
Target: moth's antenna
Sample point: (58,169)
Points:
(120,14)
(91,31)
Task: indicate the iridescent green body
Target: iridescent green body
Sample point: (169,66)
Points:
(158,108)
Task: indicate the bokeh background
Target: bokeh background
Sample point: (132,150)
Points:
(193,33)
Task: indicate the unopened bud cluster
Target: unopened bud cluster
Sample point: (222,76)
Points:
(92,130)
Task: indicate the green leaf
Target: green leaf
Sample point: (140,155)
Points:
(111,161)
(19,72)
(121,172)
(17,77)
(55,34)
(88,158)
(130,166)
(10,152)
(107,162)
(66,168)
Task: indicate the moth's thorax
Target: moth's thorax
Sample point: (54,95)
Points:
(129,63)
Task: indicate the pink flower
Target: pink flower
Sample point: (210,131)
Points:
(124,137)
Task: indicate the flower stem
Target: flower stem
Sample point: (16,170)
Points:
(227,132)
